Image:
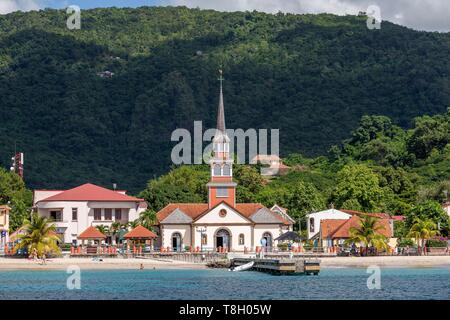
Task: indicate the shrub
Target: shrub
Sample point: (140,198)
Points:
(437,242)
(405,242)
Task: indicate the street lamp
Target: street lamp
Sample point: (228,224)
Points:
(202,231)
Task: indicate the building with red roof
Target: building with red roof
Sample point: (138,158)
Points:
(332,227)
(77,209)
(221,223)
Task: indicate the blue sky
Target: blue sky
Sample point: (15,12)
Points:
(430,15)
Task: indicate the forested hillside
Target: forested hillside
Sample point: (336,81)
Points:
(311,76)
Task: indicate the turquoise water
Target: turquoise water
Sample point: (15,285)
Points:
(345,283)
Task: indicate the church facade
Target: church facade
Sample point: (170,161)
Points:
(221,224)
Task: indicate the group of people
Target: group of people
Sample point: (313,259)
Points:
(34,256)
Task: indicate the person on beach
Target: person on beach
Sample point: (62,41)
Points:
(43,258)
(141,267)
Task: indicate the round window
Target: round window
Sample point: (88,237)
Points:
(222,213)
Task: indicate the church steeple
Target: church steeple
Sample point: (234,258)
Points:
(220,110)
(221,186)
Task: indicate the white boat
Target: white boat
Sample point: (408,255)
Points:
(244,267)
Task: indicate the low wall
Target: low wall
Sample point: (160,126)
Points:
(187,256)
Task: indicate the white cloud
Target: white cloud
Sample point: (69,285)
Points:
(431,15)
(7,6)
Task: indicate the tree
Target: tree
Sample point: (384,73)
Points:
(360,185)
(372,127)
(304,198)
(250,182)
(133,224)
(14,193)
(429,210)
(148,219)
(429,133)
(103,229)
(422,230)
(39,234)
(367,234)
(114,230)
(19,212)
(180,185)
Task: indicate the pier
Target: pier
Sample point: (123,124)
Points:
(281,266)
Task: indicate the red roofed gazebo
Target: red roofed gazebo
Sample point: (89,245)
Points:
(91,233)
(140,232)
(138,236)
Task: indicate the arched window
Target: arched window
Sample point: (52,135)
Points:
(226,170)
(241,239)
(217,170)
(177,241)
(311,224)
(267,237)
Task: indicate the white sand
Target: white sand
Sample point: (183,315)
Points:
(387,261)
(88,263)
(120,263)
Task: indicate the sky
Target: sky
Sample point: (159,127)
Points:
(429,15)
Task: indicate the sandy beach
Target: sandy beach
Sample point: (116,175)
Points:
(87,263)
(133,263)
(386,261)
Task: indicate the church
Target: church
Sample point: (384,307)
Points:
(221,224)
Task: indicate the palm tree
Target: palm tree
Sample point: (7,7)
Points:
(39,233)
(114,229)
(103,229)
(147,219)
(422,230)
(133,224)
(368,234)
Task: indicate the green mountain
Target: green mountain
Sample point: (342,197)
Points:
(311,76)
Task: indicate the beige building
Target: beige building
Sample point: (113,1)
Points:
(4,226)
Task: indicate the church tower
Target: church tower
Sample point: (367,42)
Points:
(221,187)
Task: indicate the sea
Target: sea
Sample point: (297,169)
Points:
(150,284)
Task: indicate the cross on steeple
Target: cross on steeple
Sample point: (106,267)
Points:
(221,78)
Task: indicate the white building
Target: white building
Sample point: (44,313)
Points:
(4,226)
(313,220)
(74,210)
(332,227)
(446,208)
(221,223)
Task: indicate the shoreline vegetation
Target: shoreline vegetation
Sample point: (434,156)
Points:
(151,264)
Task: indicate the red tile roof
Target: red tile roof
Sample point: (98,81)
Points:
(91,233)
(329,226)
(398,218)
(342,227)
(91,192)
(140,232)
(195,210)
